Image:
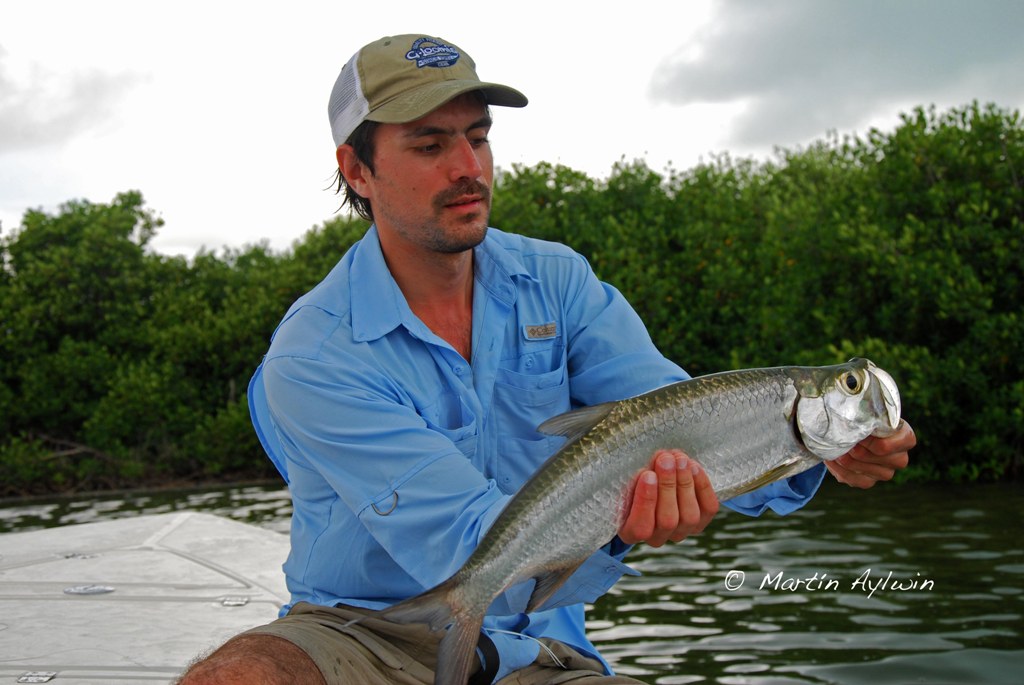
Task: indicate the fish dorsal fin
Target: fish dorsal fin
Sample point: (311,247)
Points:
(575,424)
(548,583)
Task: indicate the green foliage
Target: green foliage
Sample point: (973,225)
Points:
(119,366)
(903,247)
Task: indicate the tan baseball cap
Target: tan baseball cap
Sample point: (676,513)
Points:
(398,79)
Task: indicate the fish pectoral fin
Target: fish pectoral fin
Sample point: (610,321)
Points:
(783,470)
(548,583)
(575,424)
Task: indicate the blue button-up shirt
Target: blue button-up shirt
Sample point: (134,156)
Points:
(399,453)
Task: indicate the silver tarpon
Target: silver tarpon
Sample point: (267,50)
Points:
(746,429)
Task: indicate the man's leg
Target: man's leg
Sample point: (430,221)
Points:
(254,660)
(559,663)
(336,651)
(323,646)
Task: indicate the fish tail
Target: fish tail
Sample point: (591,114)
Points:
(456,655)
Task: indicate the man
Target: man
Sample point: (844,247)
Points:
(399,399)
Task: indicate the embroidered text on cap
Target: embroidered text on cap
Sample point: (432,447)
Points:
(430,52)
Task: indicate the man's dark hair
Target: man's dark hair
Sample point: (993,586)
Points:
(361,141)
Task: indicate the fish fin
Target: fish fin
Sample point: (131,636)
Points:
(433,607)
(575,424)
(457,654)
(784,470)
(548,583)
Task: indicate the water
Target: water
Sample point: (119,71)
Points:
(946,565)
(906,584)
(268,506)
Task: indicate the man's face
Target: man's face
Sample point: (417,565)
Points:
(432,186)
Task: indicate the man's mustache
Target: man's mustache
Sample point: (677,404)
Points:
(462,189)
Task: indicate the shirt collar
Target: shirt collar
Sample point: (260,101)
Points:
(378,305)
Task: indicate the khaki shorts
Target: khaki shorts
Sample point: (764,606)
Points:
(379,652)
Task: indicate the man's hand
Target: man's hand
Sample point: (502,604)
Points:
(874,459)
(671,500)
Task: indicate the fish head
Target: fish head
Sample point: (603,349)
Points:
(841,405)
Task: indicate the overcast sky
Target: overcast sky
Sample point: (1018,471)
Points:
(216,110)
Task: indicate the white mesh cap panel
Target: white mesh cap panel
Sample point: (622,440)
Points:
(348,106)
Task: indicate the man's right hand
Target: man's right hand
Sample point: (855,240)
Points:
(671,500)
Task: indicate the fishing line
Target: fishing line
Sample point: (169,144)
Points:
(531,637)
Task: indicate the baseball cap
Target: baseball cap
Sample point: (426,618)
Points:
(399,79)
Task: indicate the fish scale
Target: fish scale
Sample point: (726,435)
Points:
(742,407)
(746,428)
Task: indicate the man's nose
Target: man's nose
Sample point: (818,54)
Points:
(464,161)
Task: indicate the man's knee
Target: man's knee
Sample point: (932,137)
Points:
(254,660)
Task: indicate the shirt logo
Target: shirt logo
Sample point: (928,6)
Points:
(430,52)
(542,331)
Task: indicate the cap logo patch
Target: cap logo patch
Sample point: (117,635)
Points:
(430,52)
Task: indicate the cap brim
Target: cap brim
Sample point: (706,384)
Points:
(420,102)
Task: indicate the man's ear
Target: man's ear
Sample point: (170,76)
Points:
(355,173)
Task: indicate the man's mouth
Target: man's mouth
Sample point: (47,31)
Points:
(465,201)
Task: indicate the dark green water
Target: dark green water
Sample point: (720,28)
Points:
(907,584)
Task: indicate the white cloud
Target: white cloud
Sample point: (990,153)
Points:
(806,66)
(216,111)
(40,107)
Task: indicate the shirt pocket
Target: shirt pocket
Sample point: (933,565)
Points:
(528,395)
(527,392)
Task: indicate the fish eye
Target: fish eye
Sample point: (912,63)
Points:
(852,383)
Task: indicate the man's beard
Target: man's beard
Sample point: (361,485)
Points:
(442,241)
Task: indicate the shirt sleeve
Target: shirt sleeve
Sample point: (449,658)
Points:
(783,496)
(611,355)
(383,457)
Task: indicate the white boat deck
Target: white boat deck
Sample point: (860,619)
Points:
(132,600)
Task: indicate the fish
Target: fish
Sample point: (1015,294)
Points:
(746,428)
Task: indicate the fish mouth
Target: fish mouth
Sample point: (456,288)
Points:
(891,398)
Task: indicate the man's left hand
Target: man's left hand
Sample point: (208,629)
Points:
(874,459)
